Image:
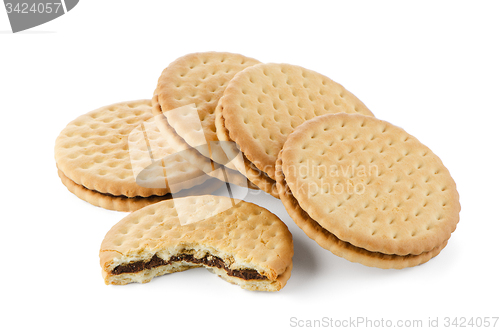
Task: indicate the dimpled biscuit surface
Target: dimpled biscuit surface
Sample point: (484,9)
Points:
(371,184)
(241,163)
(343,249)
(93,151)
(199,79)
(244,235)
(192,155)
(263,104)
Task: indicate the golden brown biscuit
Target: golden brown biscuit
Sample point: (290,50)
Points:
(199,79)
(248,169)
(117,150)
(264,103)
(369,184)
(126,204)
(330,242)
(193,156)
(242,243)
(188,91)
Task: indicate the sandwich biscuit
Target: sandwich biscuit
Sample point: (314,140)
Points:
(264,103)
(367,190)
(117,151)
(187,93)
(241,242)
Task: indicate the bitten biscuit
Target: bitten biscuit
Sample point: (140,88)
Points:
(264,103)
(241,242)
(369,186)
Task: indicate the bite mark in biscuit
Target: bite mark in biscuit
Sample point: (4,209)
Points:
(242,243)
(207,260)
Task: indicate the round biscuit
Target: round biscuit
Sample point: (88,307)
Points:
(371,184)
(242,164)
(198,80)
(192,155)
(343,249)
(93,151)
(264,103)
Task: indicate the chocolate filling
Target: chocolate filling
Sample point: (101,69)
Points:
(208,260)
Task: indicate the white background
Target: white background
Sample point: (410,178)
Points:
(430,67)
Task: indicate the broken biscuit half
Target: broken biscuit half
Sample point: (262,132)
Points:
(242,243)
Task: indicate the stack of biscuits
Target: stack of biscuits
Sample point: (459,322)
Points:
(360,187)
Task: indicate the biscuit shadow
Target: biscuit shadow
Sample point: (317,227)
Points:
(437,264)
(352,272)
(305,265)
(349,274)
